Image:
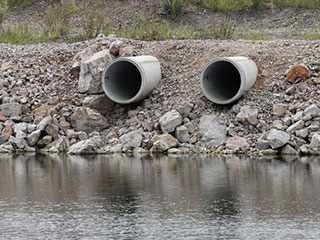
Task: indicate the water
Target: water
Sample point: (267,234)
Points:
(117,197)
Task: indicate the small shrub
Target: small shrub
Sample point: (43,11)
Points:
(298,3)
(19,4)
(224,30)
(58,17)
(3,10)
(172,8)
(92,22)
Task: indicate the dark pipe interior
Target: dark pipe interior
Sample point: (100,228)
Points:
(123,80)
(221,80)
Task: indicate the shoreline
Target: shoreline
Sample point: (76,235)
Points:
(51,99)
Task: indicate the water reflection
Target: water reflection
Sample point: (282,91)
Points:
(160,197)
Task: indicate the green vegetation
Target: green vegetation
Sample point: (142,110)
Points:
(57,19)
(3,9)
(57,22)
(298,3)
(19,4)
(172,8)
(93,21)
(19,34)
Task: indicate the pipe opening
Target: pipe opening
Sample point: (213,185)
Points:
(221,80)
(122,80)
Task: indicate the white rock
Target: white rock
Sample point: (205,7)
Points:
(211,131)
(169,121)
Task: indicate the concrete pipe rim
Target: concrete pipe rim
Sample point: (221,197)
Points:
(109,94)
(236,96)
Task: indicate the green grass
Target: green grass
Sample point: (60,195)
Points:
(20,34)
(298,3)
(19,4)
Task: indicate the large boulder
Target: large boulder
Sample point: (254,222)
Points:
(211,131)
(99,102)
(277,138)
(88,120)
(91,72)
(169,121)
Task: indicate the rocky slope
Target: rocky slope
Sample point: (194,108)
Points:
(51,99)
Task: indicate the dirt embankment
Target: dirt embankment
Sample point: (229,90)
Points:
(274,23)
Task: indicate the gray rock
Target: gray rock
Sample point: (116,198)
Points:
(211,131)
(237,143)
(315,142)
(86,146)
(263,144)
(313,128)
(312,111)
(182,134)
(88,120)
(99,102)
(297,117)
(169,121)
(248,115)
(296,126)
(115,47)
(303,133)
(44,141)
(52,130)
(20,130)
(11,109)
(175,151)
(190,127)
(34,137)
(91,72)
(44,123)
(126,52)
(287,121)
(288,150)
(89,146)
(82,135)
(163,142)
(279,109)
(71,133)
(132,139)
(62,144)
(277,138)
(18,143)
(31,128)
(185,108)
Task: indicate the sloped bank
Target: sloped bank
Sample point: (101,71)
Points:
(52,100)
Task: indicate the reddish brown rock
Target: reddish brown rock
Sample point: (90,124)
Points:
(44,111)
(297,73)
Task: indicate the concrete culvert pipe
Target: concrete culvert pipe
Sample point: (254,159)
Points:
(225,80)
(131,79)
